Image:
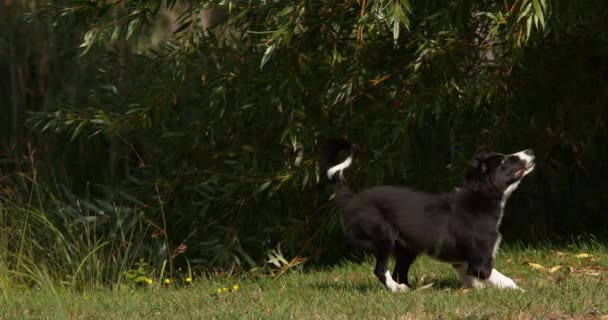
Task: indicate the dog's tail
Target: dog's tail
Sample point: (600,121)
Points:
(330,151)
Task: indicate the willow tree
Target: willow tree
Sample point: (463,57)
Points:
(206,115)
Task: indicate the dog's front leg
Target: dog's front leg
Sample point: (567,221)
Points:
(480,269)
(489,276)
(467,281)
(499,280)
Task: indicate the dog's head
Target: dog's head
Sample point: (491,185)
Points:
(499,172)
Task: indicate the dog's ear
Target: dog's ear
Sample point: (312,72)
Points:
(481,164)
(477,167)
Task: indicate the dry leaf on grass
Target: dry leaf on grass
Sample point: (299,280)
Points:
(536,266)
(555,268)
(588,270)
(426,286)
(583,255)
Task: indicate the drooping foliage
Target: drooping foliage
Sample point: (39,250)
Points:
(204,117)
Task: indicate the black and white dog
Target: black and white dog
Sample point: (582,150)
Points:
(460,227)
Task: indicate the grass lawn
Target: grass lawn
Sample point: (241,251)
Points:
(577,289)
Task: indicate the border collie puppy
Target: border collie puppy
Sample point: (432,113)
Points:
(460,227)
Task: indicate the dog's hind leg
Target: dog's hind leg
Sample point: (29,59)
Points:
(383,250)
(404,258)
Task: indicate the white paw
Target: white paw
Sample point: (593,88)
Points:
(472,283)
(498,280)
(399,287)
(392,285)
(509,285)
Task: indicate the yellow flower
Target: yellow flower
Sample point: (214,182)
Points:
(225,289)
(235,287)
(167,281)
(188,279)
(219,290)
(149,281)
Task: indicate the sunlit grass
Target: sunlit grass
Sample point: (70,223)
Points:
(578,288)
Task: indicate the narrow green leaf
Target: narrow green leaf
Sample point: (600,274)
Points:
(78,129)
(89,40)
(536,5)
(395,19)
(48,125)
(264,186)
(305,180)
(407,6)
(395,31)
(299,157)
(114,34)
(524,12)
(131,27)
(285,11)
(267,55)
(538,11)
(528,27)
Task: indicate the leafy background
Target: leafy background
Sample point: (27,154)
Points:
(187,131)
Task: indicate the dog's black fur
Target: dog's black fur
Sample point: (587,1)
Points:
(460,227)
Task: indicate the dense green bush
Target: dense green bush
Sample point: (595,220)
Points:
(203,120)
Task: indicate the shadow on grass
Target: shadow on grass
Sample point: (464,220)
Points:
(438,284)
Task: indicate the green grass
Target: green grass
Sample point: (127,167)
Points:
(579,289)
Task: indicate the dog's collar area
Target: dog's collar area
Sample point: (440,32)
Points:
(479,191)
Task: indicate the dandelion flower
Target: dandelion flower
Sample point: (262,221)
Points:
(225,289)
(149,281)
(219,290)
(235,287)
(188,279)
(167,281)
